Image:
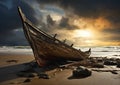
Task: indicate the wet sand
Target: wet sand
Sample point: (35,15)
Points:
(11,63)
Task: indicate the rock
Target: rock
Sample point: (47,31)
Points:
(114,72)
(81,72)
(27,80)
(110,62)
(97,65)
(30,75)
(118,65)
(44,76)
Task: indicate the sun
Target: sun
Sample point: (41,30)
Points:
(83,33)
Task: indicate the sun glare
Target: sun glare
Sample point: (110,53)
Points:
(83,33)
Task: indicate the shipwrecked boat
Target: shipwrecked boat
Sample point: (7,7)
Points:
(47,48)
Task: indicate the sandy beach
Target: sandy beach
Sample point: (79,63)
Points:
(12,63)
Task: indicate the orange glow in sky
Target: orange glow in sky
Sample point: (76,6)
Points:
(88,32)
(83,33)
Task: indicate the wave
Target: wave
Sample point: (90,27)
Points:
(15,47)
(105,51)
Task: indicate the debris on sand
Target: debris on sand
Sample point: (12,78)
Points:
(32,69)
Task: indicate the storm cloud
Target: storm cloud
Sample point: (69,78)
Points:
(88,8)
(100,15)
(108,9)
(10,20)
(92,9)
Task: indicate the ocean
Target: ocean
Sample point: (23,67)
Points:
(104,51)
(100,51)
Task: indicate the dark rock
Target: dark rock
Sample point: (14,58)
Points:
(97,65)
(118,64)
(114,72)
(27,80)
(44,76)
(81,72)
(110,62)
(30,75)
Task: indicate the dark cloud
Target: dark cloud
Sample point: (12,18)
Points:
(112,31)
(10,19)
(87,8)
(50,21)
(109,9)
(113,38)
(112,34)
(63,24)
(14,38)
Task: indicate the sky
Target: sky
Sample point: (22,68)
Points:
(81,22)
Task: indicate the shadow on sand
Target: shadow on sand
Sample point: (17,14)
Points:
(9,72)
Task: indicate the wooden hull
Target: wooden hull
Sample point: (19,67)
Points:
(47,48)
